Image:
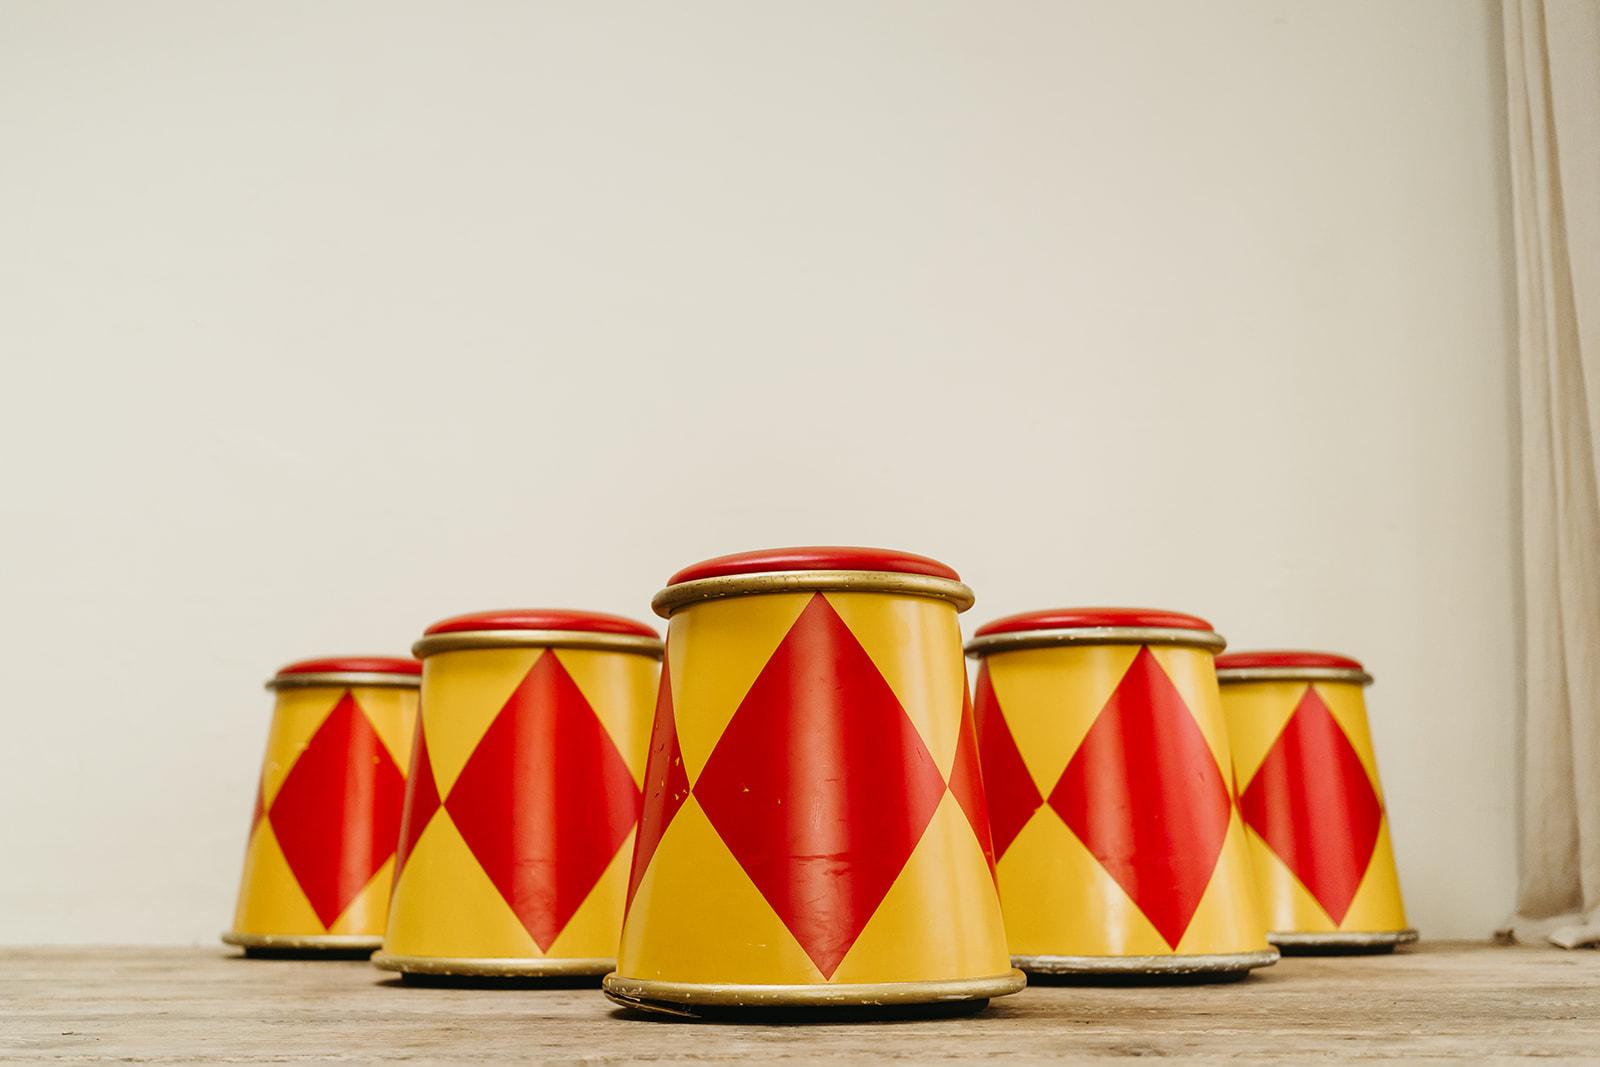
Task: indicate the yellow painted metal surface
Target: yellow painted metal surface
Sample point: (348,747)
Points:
(273,896)
(1258,714)
(445,903)
(706,912)
(1058,890)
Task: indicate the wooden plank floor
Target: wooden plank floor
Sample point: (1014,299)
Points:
(1439,1001)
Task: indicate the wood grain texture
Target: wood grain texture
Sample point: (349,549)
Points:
(1436,1001)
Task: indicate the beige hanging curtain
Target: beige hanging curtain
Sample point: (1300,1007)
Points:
(1553,93)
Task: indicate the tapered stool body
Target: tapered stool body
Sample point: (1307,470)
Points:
(814,831)
(1105,761)
(1312,804)
(328,802)
(524,795)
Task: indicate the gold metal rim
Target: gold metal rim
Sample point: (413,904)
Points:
(674,597)
(345,680)
(302,942)
(476,639)
(1096,635)
(1344,939)
(1238,675)
(1220,963)
(475,967)
(667,996)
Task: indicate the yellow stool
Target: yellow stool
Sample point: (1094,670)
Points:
(813,832)
(1105,761)
(524,795)
(1311,801)
(328,802)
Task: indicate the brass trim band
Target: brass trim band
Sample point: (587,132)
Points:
(1229,963)
(1293,674)
(305,942)
(473,639)
(681,998)
(674,597)
(479,967)
(345,680)
(1096,635)
(1344,939)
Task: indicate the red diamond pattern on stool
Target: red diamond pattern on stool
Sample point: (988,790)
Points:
(1012,795)
(1144,794)
(821,809)
(966,781)
(545,800)
(666,784)
(422,800)
(337,815)
(1313,804)
(260,810)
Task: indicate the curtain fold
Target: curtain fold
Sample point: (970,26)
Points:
(1553,98)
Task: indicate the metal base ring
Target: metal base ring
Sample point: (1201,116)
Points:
(490,967)
(691,999)
(308,943)
(1159,966)
(1353,942)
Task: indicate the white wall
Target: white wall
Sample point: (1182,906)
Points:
(320,322)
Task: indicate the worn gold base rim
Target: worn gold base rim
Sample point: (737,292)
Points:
(683,998)
(1241,675)
(674,597)
(345,680)
(1343,939)
(467,640)
(1219,963)
(1095,635)
(477,967)
(305,942)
